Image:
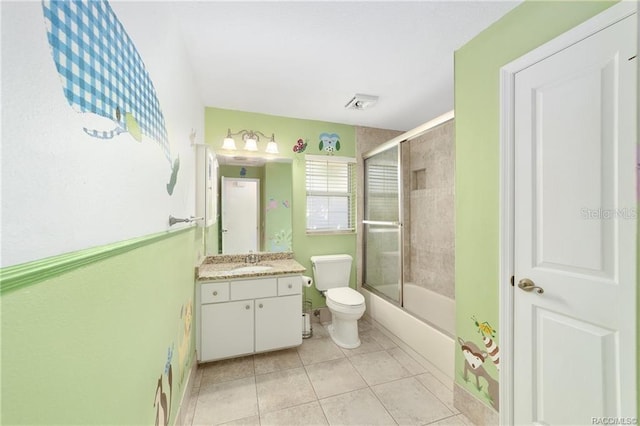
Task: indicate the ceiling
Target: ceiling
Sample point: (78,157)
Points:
(307,59)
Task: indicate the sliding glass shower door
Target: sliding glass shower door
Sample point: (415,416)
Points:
(382,228)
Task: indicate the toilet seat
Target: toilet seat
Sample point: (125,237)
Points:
(345,298)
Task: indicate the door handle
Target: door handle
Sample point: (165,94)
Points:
(527,285)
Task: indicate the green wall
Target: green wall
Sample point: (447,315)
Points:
(477,66)
(89,346)
(287,131)
(276,208)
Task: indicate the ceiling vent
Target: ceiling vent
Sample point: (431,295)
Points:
(361,102)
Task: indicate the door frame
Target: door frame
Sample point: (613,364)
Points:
(508,73)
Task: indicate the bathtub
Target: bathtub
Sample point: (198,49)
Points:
(433,340)
(432,307)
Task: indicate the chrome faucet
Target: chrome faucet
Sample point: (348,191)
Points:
(252,258)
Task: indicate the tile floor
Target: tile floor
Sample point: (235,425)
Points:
(319,383)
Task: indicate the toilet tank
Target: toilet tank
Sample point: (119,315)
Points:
(331,271)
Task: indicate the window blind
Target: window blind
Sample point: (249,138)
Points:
(381,192)
(331,200)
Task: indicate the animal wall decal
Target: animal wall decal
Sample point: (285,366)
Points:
(272,204)
(474,359)
(184,336)
(493,350)
(484,328)
(280,241)
(161,403)
(329,142)
(103,76)
(488,334)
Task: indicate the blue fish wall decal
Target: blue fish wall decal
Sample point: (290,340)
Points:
(103,76)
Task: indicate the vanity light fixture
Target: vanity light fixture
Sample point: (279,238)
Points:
(251,139)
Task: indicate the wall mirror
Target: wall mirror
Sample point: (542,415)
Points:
(254,206)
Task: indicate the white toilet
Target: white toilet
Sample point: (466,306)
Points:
(331,275)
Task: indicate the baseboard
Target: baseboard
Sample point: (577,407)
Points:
(473,408)
(187,395)
(321,315)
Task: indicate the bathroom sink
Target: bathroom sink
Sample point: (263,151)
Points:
(251,269)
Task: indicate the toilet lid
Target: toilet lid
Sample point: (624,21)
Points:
(345,296)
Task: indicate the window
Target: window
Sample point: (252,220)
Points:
(331,195)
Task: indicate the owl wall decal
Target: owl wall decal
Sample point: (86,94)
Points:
(329,142)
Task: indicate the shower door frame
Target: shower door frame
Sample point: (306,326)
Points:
(398,224)
(397,141)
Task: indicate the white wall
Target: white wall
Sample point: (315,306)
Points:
(63,190)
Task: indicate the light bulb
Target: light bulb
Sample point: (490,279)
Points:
(229,144)
(250,144)
(272,147)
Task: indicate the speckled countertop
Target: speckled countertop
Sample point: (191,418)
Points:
(226,266)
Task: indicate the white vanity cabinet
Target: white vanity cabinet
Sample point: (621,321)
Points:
(244,316)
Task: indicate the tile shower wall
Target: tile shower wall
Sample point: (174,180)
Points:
(428,176)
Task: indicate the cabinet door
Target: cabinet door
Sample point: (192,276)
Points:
(227,329)
(278,322)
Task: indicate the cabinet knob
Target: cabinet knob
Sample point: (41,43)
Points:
(215,293)
(247,307)
(290,285)
(260,305)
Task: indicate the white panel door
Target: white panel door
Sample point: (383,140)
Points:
(575,232)
(240,215)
